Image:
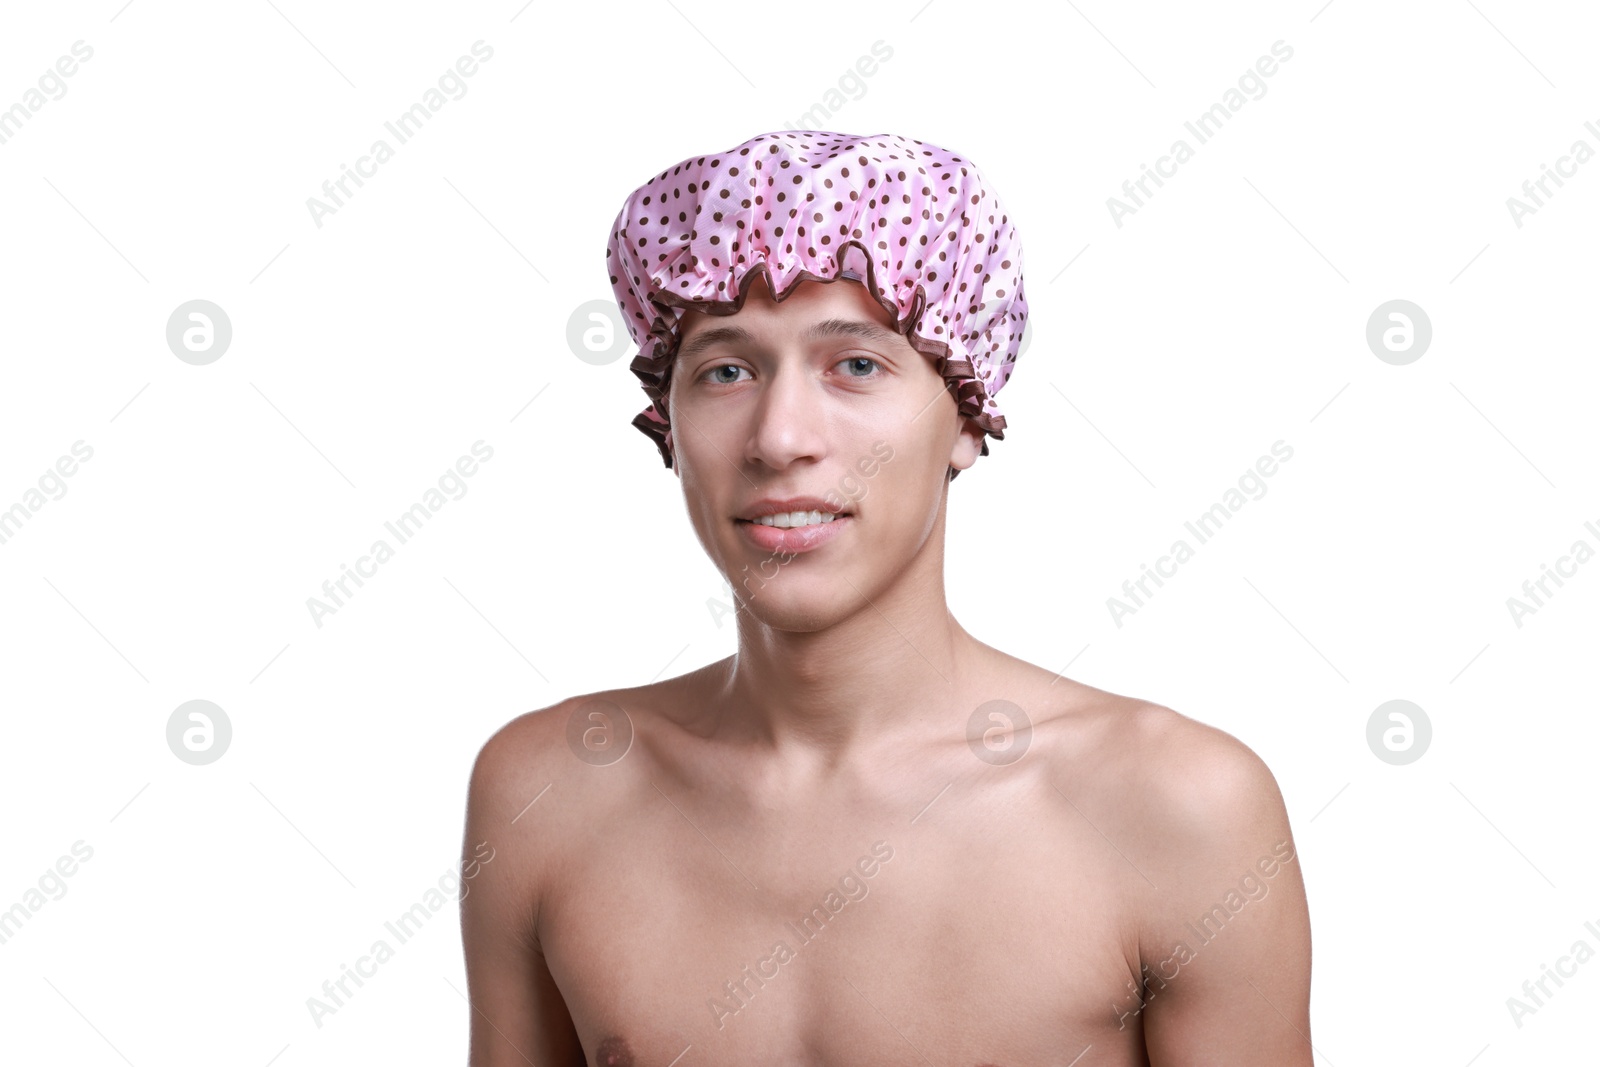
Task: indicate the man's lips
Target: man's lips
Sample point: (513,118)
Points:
(773,505)
(794,539)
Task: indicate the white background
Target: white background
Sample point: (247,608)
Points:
(431,311)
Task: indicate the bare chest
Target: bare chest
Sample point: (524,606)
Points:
(963,934)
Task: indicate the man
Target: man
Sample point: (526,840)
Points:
(867,837)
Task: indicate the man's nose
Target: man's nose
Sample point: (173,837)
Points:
(790,418)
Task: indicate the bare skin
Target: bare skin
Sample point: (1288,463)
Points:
(833,848)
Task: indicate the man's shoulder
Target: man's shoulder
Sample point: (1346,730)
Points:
(549,748)
(1178,776)
(551,738)
(1190,765)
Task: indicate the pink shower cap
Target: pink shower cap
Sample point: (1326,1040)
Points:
(916,224)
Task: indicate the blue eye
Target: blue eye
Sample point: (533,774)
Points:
(714,377)
(860,359)
(721,381)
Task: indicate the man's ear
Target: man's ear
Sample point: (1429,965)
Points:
(969,445)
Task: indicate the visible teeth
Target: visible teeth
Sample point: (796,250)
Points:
(790,519)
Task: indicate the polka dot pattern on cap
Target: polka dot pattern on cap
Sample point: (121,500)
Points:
(915,223)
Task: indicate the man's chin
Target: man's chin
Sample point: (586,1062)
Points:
(796,603)
(794,618)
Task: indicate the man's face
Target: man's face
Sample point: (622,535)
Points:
(818,397)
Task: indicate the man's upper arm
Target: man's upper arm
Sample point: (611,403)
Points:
(1228,942)
(518,1015)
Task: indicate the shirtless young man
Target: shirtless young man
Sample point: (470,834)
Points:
(867,837)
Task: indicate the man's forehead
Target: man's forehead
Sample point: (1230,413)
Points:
(722,330)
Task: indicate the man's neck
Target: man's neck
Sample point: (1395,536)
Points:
(893,669)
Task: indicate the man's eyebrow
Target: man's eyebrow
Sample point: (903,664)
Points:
(722,335)
(867,331)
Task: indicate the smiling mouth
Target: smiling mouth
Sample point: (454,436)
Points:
(791,520)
